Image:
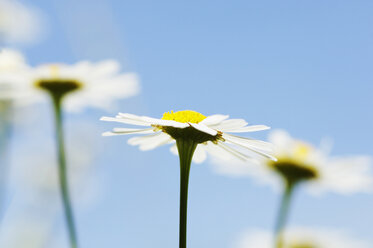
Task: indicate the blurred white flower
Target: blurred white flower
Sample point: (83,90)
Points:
(301,237)
(19,23)
(14,77)
(298,160)
(97,84)
(211,133)
(100,84)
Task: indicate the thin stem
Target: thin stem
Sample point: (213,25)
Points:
(5,133)
(283,214)
(186,149)
(62,173)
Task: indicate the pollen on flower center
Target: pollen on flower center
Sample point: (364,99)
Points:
(184,116)
(302,151)
(189,133)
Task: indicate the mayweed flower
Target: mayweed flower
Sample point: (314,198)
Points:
(301,163)
(72,86)
(77,86)
(87,84)
(14,77)
(302,237)
(190,130)
(211,133)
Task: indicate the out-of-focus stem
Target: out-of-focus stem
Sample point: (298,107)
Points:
(62,172)
(283,215)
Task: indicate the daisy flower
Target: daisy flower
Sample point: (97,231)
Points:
(212,133)
(302,237)
(299,162)
(190,129)
(88,84)
(14,77)
(76,87)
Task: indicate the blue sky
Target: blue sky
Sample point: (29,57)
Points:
(304,66)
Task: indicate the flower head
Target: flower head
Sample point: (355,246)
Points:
(211,133)
(85,83)
(14,76)
(301,237)
(298,161)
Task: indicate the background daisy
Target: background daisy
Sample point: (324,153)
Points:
(338,174)
(298,237)
(101,83)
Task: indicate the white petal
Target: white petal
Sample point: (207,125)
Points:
(231,124)
(174,150)
(246,129)
(221,151)
(199,154)
(233,152)
(151,141)
(280,138)
(153,121)
(258,144)
(246,144)
(204,128)
(124,131)
(132,130)
(345,175)
(144,119)
(169,123)
(214,119)
(126,121)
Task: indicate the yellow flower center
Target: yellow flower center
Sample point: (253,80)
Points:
(302,245)
(188,133)
(55,71)
(302,151)
(184,116)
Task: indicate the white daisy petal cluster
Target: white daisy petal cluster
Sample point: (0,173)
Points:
(212,134)
(19,23)
(322,173)
(301,237)
(100,84)
(14,76)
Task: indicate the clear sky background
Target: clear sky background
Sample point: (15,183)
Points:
(305,66)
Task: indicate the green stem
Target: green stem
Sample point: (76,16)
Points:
(186,149)
(62,173)
(283,214)
(5,132)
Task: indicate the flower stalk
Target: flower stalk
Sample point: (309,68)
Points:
(5,132)
(186,148)
(57,90)
(283,214)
